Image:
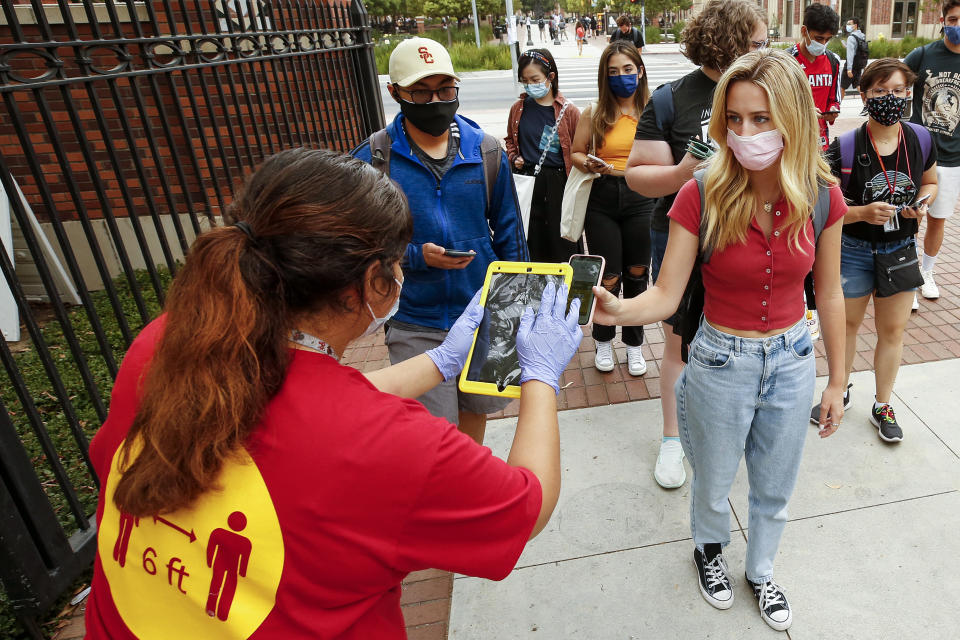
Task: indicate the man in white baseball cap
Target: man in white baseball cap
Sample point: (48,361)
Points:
(458,182)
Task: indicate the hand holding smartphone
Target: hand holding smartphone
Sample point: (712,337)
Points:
(587,273)
(596,160)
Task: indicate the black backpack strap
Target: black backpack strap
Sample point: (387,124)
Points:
(662,99)
(380,150)
(490,152)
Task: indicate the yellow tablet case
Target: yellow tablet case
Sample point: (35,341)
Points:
(501,267)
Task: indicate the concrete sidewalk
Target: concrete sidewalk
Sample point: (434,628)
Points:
(867,551)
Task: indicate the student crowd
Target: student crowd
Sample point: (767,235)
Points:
(310,490)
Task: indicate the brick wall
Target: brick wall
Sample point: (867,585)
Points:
(214,123)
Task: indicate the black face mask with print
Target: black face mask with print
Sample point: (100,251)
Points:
(886,110)
(432,118)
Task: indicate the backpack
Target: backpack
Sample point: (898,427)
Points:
(848,143)
(691,304)
(662,98)
(490,151)
(862,54)
(540,23)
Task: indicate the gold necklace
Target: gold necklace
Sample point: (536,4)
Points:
(767,206)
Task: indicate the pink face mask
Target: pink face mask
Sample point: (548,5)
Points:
(756,152)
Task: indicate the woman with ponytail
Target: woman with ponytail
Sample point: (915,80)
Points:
(254,487)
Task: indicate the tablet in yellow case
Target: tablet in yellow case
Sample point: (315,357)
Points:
(492,366)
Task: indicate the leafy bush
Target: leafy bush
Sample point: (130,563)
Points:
(652,35)
(677,29)
(464,52)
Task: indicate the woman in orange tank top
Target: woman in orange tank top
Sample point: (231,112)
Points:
(617,223)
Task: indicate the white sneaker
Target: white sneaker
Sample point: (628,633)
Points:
(603,361)
(916,302)
(813,324)
(929,289)
(636,365)
(669,472)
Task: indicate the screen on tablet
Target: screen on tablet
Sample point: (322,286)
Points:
(495,353)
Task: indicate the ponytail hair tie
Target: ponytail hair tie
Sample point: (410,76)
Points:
(243,226)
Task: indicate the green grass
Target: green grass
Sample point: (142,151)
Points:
(47,405)
(463,52)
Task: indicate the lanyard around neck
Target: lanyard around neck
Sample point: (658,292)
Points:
(896,167)
(313,343)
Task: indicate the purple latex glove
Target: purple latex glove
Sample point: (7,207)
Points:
(451,355)
(546,341)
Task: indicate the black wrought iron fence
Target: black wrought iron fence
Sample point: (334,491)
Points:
(124,126)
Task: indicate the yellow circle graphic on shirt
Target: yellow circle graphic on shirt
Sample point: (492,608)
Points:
(210,571)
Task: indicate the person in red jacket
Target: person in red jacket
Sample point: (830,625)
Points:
(820,23)
(255,487)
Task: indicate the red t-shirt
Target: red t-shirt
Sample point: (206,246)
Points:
(341,492)
(825,85)
(757,285)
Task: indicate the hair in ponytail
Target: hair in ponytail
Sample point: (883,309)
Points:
(316,221)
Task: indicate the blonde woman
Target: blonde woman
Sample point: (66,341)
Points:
(617,221)
(751,366)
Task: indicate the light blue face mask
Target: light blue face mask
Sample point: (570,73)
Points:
(376,323)
(816,49)
(953,34)
(849,28)
(538,90)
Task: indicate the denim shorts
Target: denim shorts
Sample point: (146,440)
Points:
(857,275)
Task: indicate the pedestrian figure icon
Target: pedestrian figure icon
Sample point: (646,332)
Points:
(127,523)
(228,554)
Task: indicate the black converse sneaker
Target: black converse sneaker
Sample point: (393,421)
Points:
(815,412)
(715,583)
(774,608)
(883,419)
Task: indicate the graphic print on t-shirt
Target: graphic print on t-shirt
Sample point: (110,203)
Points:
(213,568)
(705,124)
(545,136)
(941,102)
(877,188)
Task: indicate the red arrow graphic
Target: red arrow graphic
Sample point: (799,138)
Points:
(190,534)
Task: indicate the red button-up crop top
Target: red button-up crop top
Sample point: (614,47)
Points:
(756,285)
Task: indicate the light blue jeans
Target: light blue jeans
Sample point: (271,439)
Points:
(745,396)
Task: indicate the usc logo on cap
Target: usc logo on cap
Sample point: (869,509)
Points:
(426,55)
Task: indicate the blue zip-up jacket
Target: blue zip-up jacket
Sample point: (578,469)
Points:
(452,213)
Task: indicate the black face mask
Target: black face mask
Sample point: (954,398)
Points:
(432,118)
(886,110)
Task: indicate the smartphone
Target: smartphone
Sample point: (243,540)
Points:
(921,201)
(587,272)
(598,160)
(456,253)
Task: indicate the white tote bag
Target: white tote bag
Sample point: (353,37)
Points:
(524,183)
(576,194)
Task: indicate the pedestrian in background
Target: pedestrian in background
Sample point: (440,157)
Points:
(857,54)
(935,106)
(626,31)
(889,173)
(581,37)
(752,367)
(438,159)
(539,140)
(820,24)
(617,220)
(660,164)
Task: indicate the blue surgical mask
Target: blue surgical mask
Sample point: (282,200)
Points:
(538,90)
(849,28)
(953,34)
(376,323)
(623,86)
(816,49)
